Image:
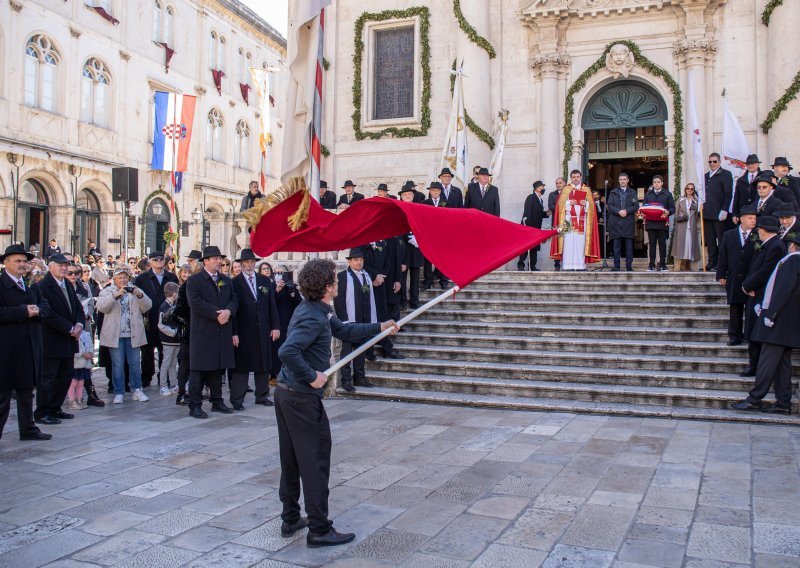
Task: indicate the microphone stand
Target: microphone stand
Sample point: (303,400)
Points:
(605,230)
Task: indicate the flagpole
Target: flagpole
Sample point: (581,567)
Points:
(419,311)
(702,239)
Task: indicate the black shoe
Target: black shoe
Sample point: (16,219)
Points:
(534,269)
(288,530)
(734,342)
(663,269)
(348,387)
(47,420)
(181,400)
(426,286)
(393,354)
(38,435)
(629,268)
(443,285)
(237,407)
(221,408)
(331,538)
(414,306)
(557,268)
(62,415)
(651,268)
(520,268)
(365,383)
(94,401)
(371,357)
(749,372)
(745,405)
(197,413)
(265,402)
(775,409)
(616,269)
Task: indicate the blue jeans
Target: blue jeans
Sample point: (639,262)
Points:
(119,355)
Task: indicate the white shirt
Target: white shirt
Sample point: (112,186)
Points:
(446,191)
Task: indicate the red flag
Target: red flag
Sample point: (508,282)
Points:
(218,74)
(465,244)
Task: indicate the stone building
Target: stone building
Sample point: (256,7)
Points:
(77,82)
(598,85)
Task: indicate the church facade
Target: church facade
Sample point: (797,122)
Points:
(596,85)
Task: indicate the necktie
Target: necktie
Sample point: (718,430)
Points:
(752,176)
(348,198)
(447,192)
(436,203)
(21,285)
(252,286)
(66,295)
(744,237)
(760,205)
(214,277)
(483,191)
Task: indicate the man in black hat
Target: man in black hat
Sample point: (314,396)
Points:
(193,257)
(790,224)
(782,167)
(22,309)
(776,330)
(429,273)
(414,260)
(60,332)
(767,202)
(419,197)
(213,303)
(533,213)
(249,199)
(744,192)
(452,194)
(736,245)
(719,191)
(382,262)
(152,282)
(383,191)
(349,196)
(255,327)
(327,198)
(769,253)
(482,195)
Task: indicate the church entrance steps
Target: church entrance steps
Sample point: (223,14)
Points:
(550,303)
(579,278)
(696,292)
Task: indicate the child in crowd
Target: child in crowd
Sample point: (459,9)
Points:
(170,334)
(83,363)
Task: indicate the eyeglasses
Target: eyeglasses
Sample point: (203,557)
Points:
(713,161)
(157,259)
(86,271)
(73,272)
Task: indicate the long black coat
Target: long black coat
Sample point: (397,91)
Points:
(455,198)
(21,344)
(355,197)
(376,262)
(397,257)
(784,308)
(414,257)
(210,344)
(56,340)
(764,262)
(622,227)
(328,201)
(253,322)
(719,190)
(745,192)
(148,283)
(533,212)
(287,301)
(786,195)
(772,204)
(490,202)
(731,255)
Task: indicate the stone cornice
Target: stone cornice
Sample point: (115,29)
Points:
(550,64)
(531,11)
(694,51)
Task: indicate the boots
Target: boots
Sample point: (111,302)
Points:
(91,397)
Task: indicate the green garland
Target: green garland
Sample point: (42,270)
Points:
(471,32)
(324,150)
(781,104)
(166,196)
(768,9)
(481,134)
(424,16)
(325,64)
(653,69)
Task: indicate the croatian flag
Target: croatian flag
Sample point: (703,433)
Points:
(173,131)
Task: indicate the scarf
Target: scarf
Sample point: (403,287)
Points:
(350,298)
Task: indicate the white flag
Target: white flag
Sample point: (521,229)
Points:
(454,153)
(735,148)
(261,82)
(697,147)
(500,145)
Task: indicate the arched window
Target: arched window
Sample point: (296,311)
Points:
(87,221)
(214,128)
(157,21)
(31,191)
(41,62)
(244,66)
(163,23)
(216,51)
(94,93)
(32,221)
(241,158)
(87,201)
(169,19)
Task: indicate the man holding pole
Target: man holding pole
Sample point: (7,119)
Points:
(304,433)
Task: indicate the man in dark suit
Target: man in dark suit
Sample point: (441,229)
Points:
(552,204)
(349,196)
(719,189)
(777,331)
(60,333)
(790,223)
(735,245)
(533,213)
(429,273)
(383,191)
(255,327)
(396,275)
(418,196)
(772,249)
(152,283)
(483,195)
(622,205)
(658,231)
(745,189)
(768,201)
(781,168)
(384,268)
(212,302)
(452,194)
(327,198)
(21,310)
(52,249)
(414,260)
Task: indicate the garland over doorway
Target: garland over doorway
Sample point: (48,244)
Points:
(168,198)
(650,67)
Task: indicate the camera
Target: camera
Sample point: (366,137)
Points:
(128,289)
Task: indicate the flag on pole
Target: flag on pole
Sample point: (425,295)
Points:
(304,87)
(261,82)
(500,146)
(735,148)
(172,131)
(697,146)
(454,153)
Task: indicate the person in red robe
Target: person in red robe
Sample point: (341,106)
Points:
(578,243)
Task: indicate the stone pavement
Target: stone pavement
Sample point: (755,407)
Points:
(421,486)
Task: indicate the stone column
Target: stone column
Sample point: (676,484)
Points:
(783,55)
(548,68)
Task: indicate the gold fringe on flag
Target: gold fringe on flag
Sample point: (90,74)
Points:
(263,205)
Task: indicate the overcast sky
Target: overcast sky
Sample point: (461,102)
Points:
(275,12)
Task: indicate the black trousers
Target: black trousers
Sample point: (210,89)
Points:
(196,381)
(24,410)
(431,274)
(628,252)
(753,347)
(354,371)
(413,287)
(238,387)
(53,386)
(149,365)
(713,231)
(183,367)
(304,438)
(736,322)
(774,367)
(657,238)
(534,258)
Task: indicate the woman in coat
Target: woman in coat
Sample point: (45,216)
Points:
(123,331)
(686,234)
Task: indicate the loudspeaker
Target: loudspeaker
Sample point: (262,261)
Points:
(125,184)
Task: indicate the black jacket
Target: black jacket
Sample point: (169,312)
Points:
(56,340)
(455,198)
(328,201)
(719,189)
(771,205)
(413,257)
(355,197)
(533,212)
(377,260)
(785,194)
(552,201)
(665,199)
(360,297)
(731,255)
(745,193)
(148,283)
(254,320)
(166,308)
(442,201)
(397,257)
(210,344)
(50,251)
(622,227)
(784,308)
(793,230)
(489,204)
(791,183)
(763,264)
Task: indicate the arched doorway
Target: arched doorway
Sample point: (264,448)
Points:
(32,215)
(87,222)
(156,223)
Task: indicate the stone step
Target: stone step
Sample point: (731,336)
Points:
(573,406)
(604,276)
(672,287)
(550,302)
(584,359)
(559,373)
(629,333)
(547,291)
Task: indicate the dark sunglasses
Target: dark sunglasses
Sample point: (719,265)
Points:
(713,161)
(73,272)
(157,259)
(226,264)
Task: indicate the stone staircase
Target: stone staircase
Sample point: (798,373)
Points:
(644,344)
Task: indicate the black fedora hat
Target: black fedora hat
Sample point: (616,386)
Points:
(752,159)
(348,183)
(445,171)
(406,189)
(210,251)
(537,184)
(323,183)
(156,254)
(247,254)
(382,187)
(355,253)
(781,161)
(795,238)
(59,259)
(766,178)
(409,183)
(195,255)
(435,185)
(784,210)
(768,223)
(16,249)
(748,210)
(484,172)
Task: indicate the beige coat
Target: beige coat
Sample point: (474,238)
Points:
(107,304)
(687,228)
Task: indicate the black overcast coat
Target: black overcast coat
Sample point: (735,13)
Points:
(210,344)
(253,322)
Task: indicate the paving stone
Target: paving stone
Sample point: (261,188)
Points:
(113,523)
(615,499)
(501,507)
(783,540)
(268,536)
(248,516)
(24,535)
(119,548)
(466,537)
(120,465)
(174,522)
(564,503)
(69,563)
(203,538)
(380,477)
(502,556)
(269,563)
(570,484)
(348,470)
(47,550)
(92,491)
(657,533)
(542,429)
(460,456)
(626,479)
(343,498)
(512,452)
(36,510)
(432,475)
(725,492)
(428,430)
(427,517)
(564,556)
(399,496)
(662,516)
(719,542)
(359,563)
(726,469)
(663,554)
(156,487)
(695,563)
(668,497)
(160,504)
(458,492)
(598,526)
(520,485)
(491,438)
(722,516)
(387,544)
(159,557)
(780,511)
(772,561)
(227,499)
(419,560)
(103,506)
(537,528)
(228,556)
(140,475)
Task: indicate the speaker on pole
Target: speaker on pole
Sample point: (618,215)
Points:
(125,184)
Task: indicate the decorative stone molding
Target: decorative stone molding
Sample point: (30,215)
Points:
(15,6)
(74,32)
(690,52)
(550,64)
(124,55)
(620,61)
(200,90)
